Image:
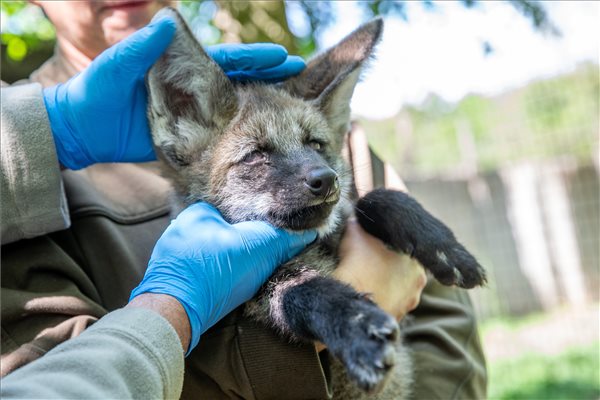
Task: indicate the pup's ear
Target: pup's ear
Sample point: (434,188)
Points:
(190,98)
(330,78)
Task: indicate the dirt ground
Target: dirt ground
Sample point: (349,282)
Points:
(551,334)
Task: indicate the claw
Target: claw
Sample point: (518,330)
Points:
(458,277)
(442,257)
(388,333)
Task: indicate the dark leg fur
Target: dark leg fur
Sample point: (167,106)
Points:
(352,327)
(402,223)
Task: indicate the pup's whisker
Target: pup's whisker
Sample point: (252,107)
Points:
(363,213)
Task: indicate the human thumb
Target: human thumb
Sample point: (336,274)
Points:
(299,240)
(139,51)
(280,243)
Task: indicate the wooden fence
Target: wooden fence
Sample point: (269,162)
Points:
(534,226)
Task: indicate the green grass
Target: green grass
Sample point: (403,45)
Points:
(571,375)
(512,323)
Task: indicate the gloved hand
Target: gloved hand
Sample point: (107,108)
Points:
(100,114)
(212,267)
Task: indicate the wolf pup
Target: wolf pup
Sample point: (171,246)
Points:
(273,153)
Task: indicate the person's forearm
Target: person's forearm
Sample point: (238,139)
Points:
(33,199)
(129,353)
(170,309)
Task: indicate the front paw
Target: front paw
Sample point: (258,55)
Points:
(366,344)
(403,224)
(451,264)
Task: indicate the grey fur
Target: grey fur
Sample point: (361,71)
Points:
(246,148)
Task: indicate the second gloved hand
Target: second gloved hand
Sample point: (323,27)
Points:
(211,267)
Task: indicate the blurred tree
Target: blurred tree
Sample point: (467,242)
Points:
(27,36)
(27,39)
(269,21)
(548,118)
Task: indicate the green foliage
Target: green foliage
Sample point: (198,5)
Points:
(572,374)
(12,7)
(536,13)
(322,13)
(252,21)
(16,48)
(545,119)
(24,29)
(564,106)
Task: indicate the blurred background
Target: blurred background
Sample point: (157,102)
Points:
(490,113)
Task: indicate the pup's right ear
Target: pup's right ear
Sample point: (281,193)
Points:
(190,100)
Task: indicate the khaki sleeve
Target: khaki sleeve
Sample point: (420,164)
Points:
(129,353)
(33,198)
(443,338)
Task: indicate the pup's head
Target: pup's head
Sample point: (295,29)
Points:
(257,151)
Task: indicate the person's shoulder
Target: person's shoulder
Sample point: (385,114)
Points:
(20,82)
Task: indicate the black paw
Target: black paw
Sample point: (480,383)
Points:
(451,264)
(403,224)
(366,344)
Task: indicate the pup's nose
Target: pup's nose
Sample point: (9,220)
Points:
(322,181)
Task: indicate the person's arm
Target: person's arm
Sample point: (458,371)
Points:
(170,309)
(33,199)
(130,353)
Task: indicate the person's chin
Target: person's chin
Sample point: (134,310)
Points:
(119,20)
(114,35)
(120,23)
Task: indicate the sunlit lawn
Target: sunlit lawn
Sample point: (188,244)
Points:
(571,375)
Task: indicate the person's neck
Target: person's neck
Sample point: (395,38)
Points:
(71,55)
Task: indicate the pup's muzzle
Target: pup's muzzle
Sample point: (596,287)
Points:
(322,182)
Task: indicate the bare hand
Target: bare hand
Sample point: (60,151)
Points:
(394,280)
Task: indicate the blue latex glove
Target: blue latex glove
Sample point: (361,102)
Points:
(212,267)
(100,114)
(256,62)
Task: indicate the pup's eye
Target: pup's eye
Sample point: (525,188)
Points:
(316,145)
(254,157)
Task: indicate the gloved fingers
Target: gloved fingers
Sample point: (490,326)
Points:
(149,155)
(135,141)
(299,240)
(247,57)
(141,49)
(283,244)
(202,209)
(202,216)
(292,66)
(138,149)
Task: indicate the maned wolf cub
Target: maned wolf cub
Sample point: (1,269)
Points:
(273,153)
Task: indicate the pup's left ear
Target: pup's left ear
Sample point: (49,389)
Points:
(190,100)
(329,79)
